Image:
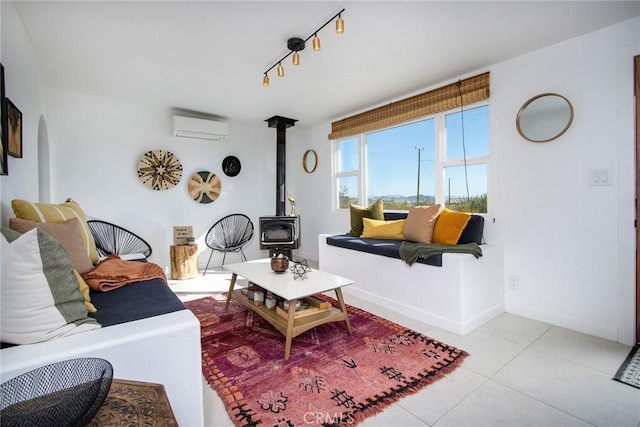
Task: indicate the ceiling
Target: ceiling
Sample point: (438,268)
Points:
(210,56)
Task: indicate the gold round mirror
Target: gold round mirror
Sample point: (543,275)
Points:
(309,161)
(544,117)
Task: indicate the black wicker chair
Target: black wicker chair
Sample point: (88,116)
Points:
(229,234)
(62,394)
(113,239)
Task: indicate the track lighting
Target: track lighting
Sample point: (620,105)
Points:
(296,44)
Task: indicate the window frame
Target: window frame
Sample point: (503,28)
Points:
(441,161)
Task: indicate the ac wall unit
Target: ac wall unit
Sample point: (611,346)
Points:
(189,127)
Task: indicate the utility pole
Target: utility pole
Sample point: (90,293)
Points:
(418,191)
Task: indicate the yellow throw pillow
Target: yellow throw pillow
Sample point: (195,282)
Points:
(449,226)
(420,223)
(375,211)
(46,212)
(84,290)
(376,229)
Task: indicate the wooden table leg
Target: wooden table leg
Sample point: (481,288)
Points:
(343,307)
(234,276)
(291,317)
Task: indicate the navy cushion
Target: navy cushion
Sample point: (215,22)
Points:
(134,302)
(384,247)
(392,216)
(473,232)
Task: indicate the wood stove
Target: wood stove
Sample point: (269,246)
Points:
(280,234)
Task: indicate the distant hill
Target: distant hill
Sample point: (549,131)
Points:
(399,199)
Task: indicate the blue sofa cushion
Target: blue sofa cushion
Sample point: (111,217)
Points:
(134,302)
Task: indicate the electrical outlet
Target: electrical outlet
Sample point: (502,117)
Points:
(514,282)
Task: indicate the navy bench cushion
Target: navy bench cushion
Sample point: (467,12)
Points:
(473,232)
(134,302)
(384,247)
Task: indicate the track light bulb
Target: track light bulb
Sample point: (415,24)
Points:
(296,58)
(265,80)
(340,25)
(280,70)
(316,42)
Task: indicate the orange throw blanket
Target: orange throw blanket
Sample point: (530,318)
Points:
(114,272)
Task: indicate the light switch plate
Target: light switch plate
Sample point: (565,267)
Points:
(600,177)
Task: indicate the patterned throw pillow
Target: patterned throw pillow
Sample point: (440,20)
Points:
(375,211)
(45,212)
(40,298)
(420,223)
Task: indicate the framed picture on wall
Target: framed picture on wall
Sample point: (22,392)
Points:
(14,130)
(3,126)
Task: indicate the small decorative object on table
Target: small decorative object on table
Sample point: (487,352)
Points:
(279,263)
(300,268)
(270,301)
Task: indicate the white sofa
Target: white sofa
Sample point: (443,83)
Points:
(162,349)
(459,296)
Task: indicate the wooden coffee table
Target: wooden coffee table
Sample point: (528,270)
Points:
(292,290)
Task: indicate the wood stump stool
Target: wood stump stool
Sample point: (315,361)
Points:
(184,261)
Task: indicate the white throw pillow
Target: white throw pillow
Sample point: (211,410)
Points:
(39,295)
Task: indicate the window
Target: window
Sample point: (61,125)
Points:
(419,163)
(348,171)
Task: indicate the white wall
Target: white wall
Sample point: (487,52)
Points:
(98,141)
(25,86)
(571,245)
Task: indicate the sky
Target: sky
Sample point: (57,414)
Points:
(393,156)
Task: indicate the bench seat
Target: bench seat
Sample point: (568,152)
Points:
(458,296)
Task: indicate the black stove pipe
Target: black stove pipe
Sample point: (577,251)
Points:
(281,124)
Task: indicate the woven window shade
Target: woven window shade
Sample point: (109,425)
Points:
(473,89)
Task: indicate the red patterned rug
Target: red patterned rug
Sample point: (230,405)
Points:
(331,377)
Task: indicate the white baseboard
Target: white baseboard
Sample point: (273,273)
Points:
(579,325)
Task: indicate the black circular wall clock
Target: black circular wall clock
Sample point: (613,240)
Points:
(231,166)
(159,169)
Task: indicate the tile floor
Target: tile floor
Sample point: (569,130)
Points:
(520,372)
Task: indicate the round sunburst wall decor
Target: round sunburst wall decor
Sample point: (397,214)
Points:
(204,187)
(159,169)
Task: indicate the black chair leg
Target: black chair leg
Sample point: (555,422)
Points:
(243,255)
(207,266)
(224,257)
